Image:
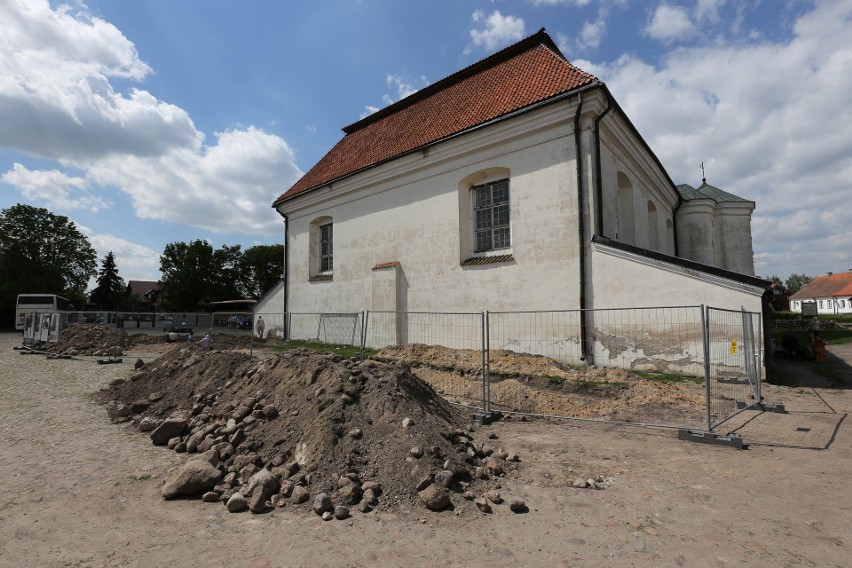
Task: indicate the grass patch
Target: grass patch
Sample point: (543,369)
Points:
(668,378)
(342,350)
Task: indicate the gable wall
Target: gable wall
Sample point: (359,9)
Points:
(409,211)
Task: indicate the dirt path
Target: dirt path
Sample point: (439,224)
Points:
(80,491)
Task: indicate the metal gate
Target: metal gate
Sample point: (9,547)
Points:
(732,363)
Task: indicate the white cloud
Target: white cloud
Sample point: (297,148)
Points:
(499,30)
(54,188)
(223,188)
(593,32)
(134,262)
(57,102)
(770,121)
(402,88)
(669,23)
(708,10)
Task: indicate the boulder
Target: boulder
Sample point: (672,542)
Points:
(322,503)
(261,487)
(435,498)
(194,477)
(237,503)
(171,427)
(300,494)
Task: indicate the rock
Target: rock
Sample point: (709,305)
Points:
(149,424)
(435,498)
(180,447)
(300,495)
(194,477)
(210,456)
(139,406)
(375,486)
(261,487)
(494,496)
(493,466)
(138,364)
(407,423)
(482,504)
(210,497)
(237,438)
(205,444)
(364,506)
(236,503)
(116,410)
(247,459)
(171,427)
(424,483)
(327,516)
(349,494)
(322,503)
(481,473)
(355,433)
(444,478)
(341,512)
(155,396)
(248,471)
(257,414)
(416,452)
(579,483)
(369,496)
(513,458)
(518,506)
(270,412)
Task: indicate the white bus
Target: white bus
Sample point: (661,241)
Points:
(39,303)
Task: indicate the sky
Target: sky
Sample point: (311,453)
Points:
(150,122)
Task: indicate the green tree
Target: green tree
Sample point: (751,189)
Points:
(194,273)
(796,282)
(41,253)
(111,289)
(261,268)
(775,279)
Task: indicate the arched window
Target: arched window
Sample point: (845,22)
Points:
(653,227)
(485,214)
(322,248)
(626,226)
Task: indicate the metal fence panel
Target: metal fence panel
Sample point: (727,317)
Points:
(734,374)
(553,334)
(334,328)
(658,339)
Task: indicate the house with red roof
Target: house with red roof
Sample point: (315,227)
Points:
(517,183)
(831,293)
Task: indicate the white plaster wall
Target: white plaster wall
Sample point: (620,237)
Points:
(733,221)
(695,231)
(408,211)
(619,282)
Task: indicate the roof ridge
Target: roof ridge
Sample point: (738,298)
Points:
(539,38)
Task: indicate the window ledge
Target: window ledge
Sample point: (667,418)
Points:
(480,260)
(321,278)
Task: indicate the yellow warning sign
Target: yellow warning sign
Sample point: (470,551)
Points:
(733,347)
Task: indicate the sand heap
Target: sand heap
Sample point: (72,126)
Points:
(360,434)
(89,339)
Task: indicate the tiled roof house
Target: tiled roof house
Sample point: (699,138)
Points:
(832,294)
(517,183)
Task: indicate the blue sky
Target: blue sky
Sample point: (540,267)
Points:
(149,122)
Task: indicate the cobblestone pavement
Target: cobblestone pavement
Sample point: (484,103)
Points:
(78,491)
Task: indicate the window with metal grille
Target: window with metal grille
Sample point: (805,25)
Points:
(326,248)
(491,216)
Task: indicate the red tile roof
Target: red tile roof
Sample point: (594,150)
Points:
(386,265)
(142,287)
(524,74)
(839,284)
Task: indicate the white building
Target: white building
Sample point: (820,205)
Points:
(831,293)
(517,183)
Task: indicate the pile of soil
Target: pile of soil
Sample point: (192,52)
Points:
(89,339)
(315,420)
(538,385)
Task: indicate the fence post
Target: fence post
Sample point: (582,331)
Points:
(705,340)
(488,362)
(289,318)
(365,316)
(482,331)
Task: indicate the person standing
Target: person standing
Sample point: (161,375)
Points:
(261,327)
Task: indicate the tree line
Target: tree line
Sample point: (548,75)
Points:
(41,252)
(793,283)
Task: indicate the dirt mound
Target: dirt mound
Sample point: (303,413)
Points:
(89,339)
(538,385)
(316,420)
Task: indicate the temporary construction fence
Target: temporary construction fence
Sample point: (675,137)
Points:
(715,346)
(720,347)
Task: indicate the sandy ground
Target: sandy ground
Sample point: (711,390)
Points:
(80,491)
